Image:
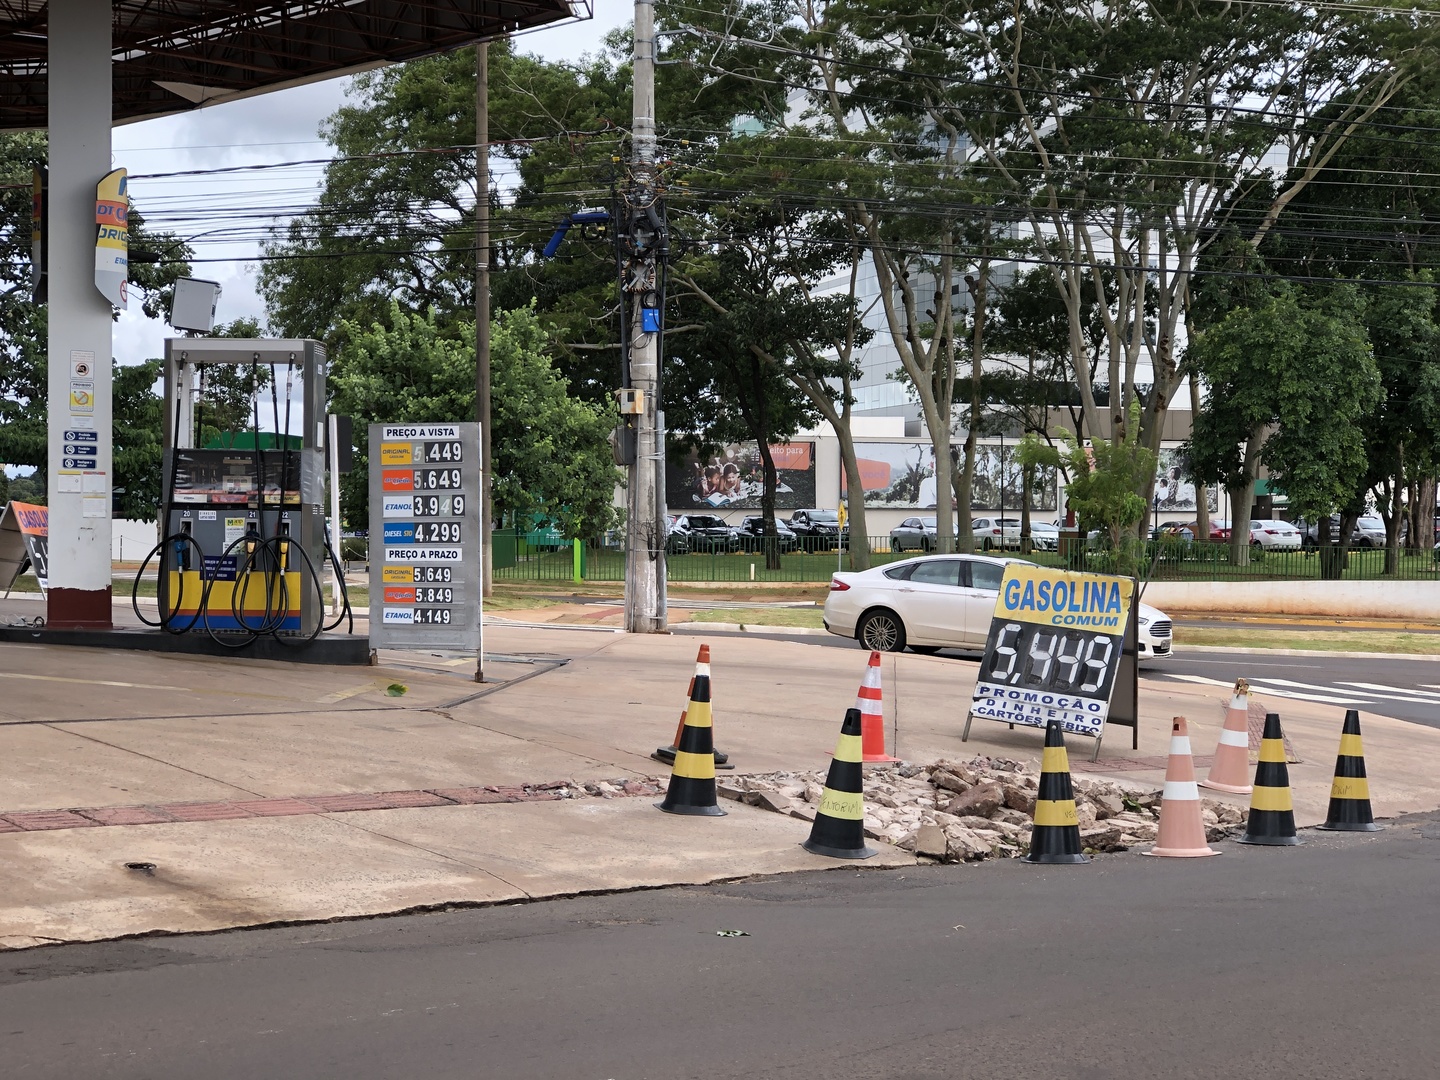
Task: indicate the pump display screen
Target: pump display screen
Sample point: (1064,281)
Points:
(228,477)
(424,521)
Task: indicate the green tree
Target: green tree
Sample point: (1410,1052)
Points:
(1289,386)
(1103,479)
(551,458)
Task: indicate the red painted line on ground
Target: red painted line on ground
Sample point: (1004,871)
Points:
(17,821)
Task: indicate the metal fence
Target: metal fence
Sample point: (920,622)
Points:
(552,561)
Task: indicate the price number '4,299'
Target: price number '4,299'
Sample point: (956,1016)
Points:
(437,532)
(1057,661)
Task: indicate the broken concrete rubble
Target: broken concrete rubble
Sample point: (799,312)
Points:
(966,811)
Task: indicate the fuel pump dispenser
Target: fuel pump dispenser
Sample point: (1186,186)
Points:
(244,512)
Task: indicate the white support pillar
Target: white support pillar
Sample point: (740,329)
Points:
(80,318)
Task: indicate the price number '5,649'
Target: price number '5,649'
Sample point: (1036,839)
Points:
(436,479)
(1052,660)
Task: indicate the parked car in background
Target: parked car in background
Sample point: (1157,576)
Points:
(1275,536)
(1044,536)
(1369,532)
(1220,528)
(1312,531)
(818,530)
(914,534)
(994,532)
(705,532)
(752,534)
(677,541)
(942,602)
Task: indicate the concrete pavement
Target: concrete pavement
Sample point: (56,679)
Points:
(276,793)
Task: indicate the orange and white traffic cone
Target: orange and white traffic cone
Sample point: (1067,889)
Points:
(1182,830)
(667,753)
(872,714)
(1230,771)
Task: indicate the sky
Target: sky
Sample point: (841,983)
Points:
(277,127)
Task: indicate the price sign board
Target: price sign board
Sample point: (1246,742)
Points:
(425,542)
(25,535)
(1054,649)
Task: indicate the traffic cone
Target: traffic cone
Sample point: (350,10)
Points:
(1230,771)
(872,714)
(1182,830)
(667,753)
(1055,837)
(1350,793)
(1272,814)
(839,829)
(692,781)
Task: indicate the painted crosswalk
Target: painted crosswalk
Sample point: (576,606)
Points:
(1346,693)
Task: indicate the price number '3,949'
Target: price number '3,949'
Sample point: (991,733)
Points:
(439,505)
(1059,661)
(436,479)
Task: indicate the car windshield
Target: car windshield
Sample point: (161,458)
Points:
(929,523)
(828,517)
(705,522)
(1373,523)
(1043,527)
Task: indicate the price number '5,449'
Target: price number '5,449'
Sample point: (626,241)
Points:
(1052,660)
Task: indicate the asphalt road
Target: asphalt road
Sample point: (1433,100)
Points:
(1265,963)
(1407,688)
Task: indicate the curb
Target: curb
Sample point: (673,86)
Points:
(753,628)
(1320,653)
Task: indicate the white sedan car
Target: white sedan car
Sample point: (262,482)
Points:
(940,602)
(1275,535)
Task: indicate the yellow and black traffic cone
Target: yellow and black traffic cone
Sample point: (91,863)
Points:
(839,829)
(692,779)
(1272,813)
(667,753)
(1350,793)
(1055,837)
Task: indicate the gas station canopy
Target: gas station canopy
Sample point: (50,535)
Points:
(170,56)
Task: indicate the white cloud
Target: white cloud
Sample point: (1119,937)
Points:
(278,127)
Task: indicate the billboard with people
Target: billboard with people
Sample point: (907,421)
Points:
(901,476)
(733,477)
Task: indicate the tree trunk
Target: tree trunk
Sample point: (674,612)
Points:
(1242,499)
(1393,519)
(965,491)
(1202,494)
(767,507)
(1027,481)
(859,550)
(978,288)
(1422,516)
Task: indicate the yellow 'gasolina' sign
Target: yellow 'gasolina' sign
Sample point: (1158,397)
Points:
(1039,594)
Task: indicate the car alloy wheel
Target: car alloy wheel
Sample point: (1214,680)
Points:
(895,548)
(882,631)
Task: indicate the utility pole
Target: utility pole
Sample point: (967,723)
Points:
(482,327)
(482,296)
(646,247)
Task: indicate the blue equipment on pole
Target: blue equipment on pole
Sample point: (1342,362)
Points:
(584,217)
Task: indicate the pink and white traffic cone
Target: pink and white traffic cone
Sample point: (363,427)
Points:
(1230,771)
(1182,829)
